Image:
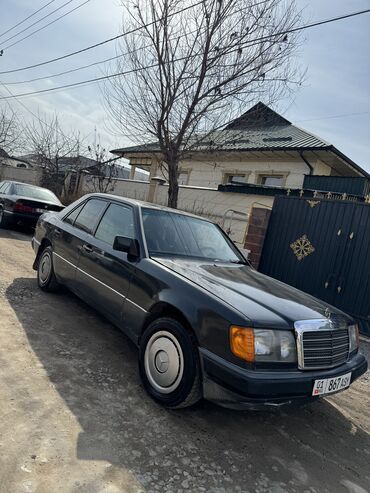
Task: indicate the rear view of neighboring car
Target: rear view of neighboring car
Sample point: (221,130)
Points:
(21,203)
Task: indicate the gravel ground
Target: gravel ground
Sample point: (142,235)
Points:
(74,417)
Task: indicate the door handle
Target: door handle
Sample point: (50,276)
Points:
(87,248)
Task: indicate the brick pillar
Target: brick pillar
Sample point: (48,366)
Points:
(257,227)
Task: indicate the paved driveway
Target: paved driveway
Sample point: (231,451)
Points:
(74,417)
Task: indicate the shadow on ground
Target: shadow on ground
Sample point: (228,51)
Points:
(93,367)
(16,232)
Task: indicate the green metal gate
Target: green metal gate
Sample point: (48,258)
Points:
(322,246)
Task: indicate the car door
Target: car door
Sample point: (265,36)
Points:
(105,273)
(70,234)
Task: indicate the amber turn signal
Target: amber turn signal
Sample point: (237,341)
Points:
(242,342)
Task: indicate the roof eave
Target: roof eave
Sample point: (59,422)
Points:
(349,161)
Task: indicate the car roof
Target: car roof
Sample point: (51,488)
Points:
(146,205)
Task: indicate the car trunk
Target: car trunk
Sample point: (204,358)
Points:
(35,207)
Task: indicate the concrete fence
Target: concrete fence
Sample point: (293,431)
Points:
(24,175)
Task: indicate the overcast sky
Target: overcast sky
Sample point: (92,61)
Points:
(336,56)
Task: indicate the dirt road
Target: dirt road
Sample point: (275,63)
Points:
(74,417)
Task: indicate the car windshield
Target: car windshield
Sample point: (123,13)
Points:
(174,234)
(34,192)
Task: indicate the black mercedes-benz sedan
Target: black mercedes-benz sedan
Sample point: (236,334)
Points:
(21,203)
(205,322)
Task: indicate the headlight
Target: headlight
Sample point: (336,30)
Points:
(353,337)
(263,345)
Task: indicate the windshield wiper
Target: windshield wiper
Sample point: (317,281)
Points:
(243,262)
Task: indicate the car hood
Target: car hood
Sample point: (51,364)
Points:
(263,300)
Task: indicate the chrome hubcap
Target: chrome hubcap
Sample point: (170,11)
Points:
(164,362)
(45,267)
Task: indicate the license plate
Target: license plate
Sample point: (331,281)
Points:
(39,211)
(329,385)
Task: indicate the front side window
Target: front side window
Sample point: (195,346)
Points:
(169,233)
(89,216)
(118,220)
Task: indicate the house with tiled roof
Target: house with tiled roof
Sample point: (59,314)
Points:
(260,148)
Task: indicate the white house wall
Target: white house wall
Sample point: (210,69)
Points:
(211,173)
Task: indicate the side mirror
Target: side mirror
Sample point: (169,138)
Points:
(127,245)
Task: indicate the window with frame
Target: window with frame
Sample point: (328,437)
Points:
(89,216)
(230,178)
(118,220)
(272,180)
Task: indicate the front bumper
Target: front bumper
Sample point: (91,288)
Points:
(238,388)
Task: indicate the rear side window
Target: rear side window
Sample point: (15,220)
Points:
(117,221)
(90,214)
(72,216)
(2,185)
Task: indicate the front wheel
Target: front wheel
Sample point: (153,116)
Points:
(169,364)
(45,271)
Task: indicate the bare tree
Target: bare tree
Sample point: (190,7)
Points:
(10,130)
(190,69)
(55,151)
(105,170)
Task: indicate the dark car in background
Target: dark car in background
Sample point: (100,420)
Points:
(205,322)
(21,203)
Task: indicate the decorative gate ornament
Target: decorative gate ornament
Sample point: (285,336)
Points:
(302,247)
(312,203)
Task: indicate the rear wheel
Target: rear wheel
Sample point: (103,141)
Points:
(4,221)
(169,364)
(45,271)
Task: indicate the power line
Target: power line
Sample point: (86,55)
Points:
(68,71)
(109,40)
(36,22)
(106,77)
(26,18)
(334,116)
(82,67)
(24,106)
(46,25)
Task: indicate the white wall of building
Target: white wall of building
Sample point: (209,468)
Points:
(211,172)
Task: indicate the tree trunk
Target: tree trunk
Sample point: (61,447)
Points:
(173,184)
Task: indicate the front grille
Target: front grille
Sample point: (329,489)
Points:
(324,348)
